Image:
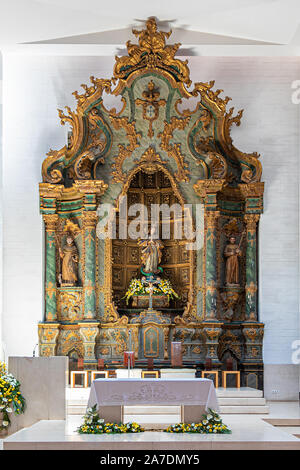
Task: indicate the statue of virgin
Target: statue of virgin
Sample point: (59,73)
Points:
(151,253)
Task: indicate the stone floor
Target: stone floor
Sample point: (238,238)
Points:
(248,432)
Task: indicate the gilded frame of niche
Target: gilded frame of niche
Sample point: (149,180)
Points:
(150,162)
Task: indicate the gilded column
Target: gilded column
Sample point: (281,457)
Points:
(91,191)
(251,267)
(50,275)
(89,285)
(211,220)
(253,195)
(49,194)
(208,190)
(252,329)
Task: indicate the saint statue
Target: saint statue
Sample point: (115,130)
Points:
(232,253)
(69,267)
(151,253)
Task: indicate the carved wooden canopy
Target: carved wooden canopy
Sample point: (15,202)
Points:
(191,143)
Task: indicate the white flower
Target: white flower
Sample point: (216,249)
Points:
(2,407)
(5,423)
(8,409)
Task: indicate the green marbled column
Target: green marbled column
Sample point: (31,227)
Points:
(90,264)
(50,278)
(211,219)
(251,267)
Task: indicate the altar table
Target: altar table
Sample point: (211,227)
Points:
(194,396)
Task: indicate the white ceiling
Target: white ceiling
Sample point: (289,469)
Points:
(100,22)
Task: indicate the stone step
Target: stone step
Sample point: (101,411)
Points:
(294,430)
(244,410)
(244,401)
(76,410)
(283,421)
(244,392)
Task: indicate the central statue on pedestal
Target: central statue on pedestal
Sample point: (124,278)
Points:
(151,287)
(151,254)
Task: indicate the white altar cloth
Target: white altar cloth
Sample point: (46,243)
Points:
(133,391)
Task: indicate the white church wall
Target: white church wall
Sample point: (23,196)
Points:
(36,85)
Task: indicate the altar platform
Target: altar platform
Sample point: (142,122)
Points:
(249,432)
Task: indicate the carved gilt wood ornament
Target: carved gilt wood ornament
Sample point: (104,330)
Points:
(154,132)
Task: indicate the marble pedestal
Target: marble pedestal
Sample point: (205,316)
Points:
(192,413)
(43,384)
(111,414)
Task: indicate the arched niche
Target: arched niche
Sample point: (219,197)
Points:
(148,189)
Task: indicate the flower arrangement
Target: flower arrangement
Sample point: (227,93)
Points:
(94,425)
(137,287)
(211,423)
(11,399)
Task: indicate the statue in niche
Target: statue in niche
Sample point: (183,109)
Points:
(151,254)
(232,253)
(69,266)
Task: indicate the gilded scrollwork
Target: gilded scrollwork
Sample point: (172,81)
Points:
(69,305)
(91,92)
(204,187)
(150,161)
(69,339)
(230,299)
(174,150)
(124,151)
(150,105)
(152,52)
(204,89)
(230,342)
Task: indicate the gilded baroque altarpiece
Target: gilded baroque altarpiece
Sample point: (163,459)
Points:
(158,148)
